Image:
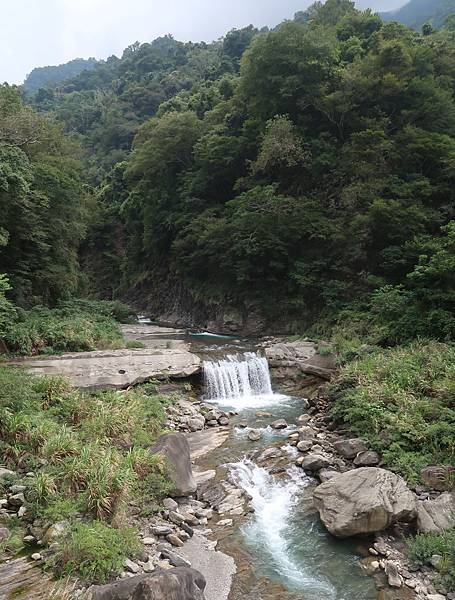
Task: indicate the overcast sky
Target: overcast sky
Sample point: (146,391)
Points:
(36,33)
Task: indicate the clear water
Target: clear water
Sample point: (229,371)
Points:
(284,536)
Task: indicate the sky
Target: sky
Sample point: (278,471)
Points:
(35,33)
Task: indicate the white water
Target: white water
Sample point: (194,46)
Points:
(242,382)
(273,501)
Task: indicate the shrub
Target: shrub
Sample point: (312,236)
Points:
(401,401)
(95,551)
(425,545)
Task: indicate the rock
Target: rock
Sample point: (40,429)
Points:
(16,500)
(254,435)
(213,415)
(393,577)
(176,517)
(436,515)
(364,500)
(225,523)
(6,472)
(131,566)
(269,454)
(223,421)
(436,560)
(22,512)
(436,597)
(175,541)
(438,477)
(161,530)
(304,419)
(367,459)
(327,475)
(350,448)
(4,534)
(54,532)
(148,567)
(148,541)
(175,559)
(304,445)
(279,424)
(314,462)
(242,424)
(307,433)
(196,423)
(36,556)
(263,415)
(301,357)
(180,583)
(170,504)
(17,489)
(175,448)
(116,369)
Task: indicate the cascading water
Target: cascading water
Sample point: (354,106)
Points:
(273,502)
(237,378)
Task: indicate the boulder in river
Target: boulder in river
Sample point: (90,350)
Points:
(175,448)
(181,583)
(436,515)
(364,500)
(279,424)
(254,435)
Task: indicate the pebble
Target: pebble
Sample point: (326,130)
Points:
(174,539)
(170,504)
(176,517)
(148,541)
(161,530)
(36,556)
(129,565)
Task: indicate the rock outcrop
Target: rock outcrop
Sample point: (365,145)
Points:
(115,369)
(436,515)
(181,583)
(176,449)
(291,358)
(364,500)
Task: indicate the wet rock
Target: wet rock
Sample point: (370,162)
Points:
(269,454)
(367,459)
(242,424)
(175,448)
(350,448)
(279,424)
(263,415)
(180,583)
(436,515)
(314,462)
(254,435)
(364,500)
(438,477)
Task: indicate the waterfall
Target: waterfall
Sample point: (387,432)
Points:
(237,377)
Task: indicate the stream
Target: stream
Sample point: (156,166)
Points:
(288,552)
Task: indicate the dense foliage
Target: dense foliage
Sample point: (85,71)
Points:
(42,204)
(401,401)
(424,546)
(42,77)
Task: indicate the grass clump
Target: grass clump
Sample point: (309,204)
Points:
(79,325)
(401,401)
(95,551)
(13,543)
(425,545)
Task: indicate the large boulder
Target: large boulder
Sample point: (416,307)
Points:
(364,500)
(176,449)
(436,515)
(350,448)
(302,357)
(438,477)
(181,583)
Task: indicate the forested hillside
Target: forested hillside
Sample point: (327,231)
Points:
(417,13)
(42,77)
(288,176)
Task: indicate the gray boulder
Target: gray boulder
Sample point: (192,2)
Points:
(314,462)
(176,449)
(367,459)
(364,500)
(436,515)
(181,583)
(350,448)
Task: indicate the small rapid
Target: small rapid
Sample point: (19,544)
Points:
(273,502)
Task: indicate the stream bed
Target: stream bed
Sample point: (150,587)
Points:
(281,549)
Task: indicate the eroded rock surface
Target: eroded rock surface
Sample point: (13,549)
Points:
(300,356)
(436,515)
(116,369)
(176,449)
(364,500)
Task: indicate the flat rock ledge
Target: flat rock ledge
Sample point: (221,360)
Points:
(115,369)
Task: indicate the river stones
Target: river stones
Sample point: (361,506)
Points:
(314,462)
(254,435)
(350,448)
(364,500)
(279,424)
(304,445)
